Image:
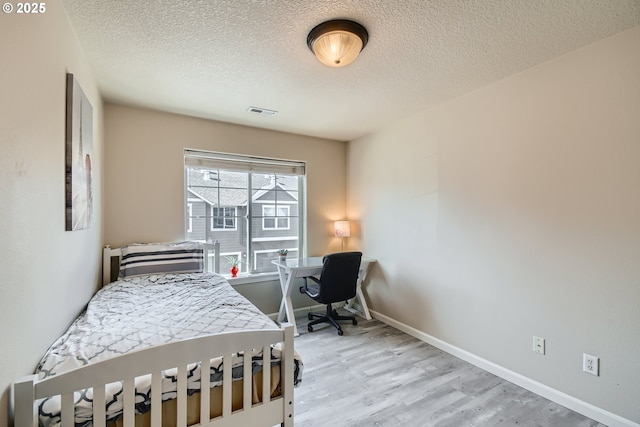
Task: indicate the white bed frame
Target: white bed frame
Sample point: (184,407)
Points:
(154,360)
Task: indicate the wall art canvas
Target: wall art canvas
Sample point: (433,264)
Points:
(79,152)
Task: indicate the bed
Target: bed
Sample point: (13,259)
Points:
(135,356)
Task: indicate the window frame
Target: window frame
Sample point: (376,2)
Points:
(190,217)
(224,218)
(276,217)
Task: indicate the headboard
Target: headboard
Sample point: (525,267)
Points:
(111,260)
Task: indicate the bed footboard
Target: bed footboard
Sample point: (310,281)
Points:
(153,361)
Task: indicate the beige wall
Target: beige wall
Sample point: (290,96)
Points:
(521,217)
(48,274)
(144,177)
(144,172)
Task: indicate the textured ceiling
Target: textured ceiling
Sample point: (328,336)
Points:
(216,58)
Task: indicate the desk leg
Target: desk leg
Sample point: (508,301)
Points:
(364,312)
(360,296)
(286,306)
(283,286)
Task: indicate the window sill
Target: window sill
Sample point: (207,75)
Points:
(244,279)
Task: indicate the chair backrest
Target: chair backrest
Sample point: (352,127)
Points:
(339,276)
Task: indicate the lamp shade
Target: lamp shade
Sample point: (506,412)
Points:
(337,43)
(342,228)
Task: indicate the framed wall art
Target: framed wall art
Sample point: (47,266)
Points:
(78,157)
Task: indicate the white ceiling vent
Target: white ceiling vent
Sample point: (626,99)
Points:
(262,111)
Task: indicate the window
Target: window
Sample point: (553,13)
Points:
(223,218)
(252,206)
(275,217)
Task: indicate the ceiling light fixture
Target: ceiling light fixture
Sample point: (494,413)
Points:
(337,43)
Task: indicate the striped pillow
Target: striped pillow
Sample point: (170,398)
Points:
(157,258)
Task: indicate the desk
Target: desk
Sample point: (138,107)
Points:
(291,268)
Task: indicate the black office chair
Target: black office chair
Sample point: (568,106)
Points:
(337,282)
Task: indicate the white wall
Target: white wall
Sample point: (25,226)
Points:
(48,274)
(520,216)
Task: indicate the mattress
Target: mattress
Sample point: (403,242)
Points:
(143,311)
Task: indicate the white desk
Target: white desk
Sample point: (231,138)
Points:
(300,267)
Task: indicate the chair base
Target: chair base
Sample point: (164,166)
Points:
(331,317)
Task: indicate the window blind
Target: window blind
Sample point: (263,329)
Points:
(227,161)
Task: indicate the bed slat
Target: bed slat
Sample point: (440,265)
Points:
(205,390)
(286,372)
(99,409)
(226,384)
(128,402)
(182,396)
(266,374)
(67,409)
(247,379)
(156,399)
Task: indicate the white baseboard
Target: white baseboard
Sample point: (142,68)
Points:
(588,410)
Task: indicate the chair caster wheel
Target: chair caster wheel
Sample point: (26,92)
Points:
(310,328)
(309,316)
(355,322)
(340,332)
(335,313)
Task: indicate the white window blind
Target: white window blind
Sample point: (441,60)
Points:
(240,163)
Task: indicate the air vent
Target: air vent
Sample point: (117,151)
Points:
(262,111)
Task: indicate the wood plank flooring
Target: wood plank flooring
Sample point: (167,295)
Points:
(376,375)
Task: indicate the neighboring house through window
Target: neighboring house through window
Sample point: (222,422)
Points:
(252,206)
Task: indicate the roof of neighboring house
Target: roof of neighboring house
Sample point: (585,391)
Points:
(229,188)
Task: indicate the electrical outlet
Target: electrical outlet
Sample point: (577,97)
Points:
(538,345)
(591,364)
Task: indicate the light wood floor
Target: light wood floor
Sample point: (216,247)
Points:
(375,375)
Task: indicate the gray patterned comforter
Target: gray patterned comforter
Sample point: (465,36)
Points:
(140,312)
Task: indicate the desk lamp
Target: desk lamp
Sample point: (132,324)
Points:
(342,230)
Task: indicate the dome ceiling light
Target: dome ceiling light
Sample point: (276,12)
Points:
(337,43)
